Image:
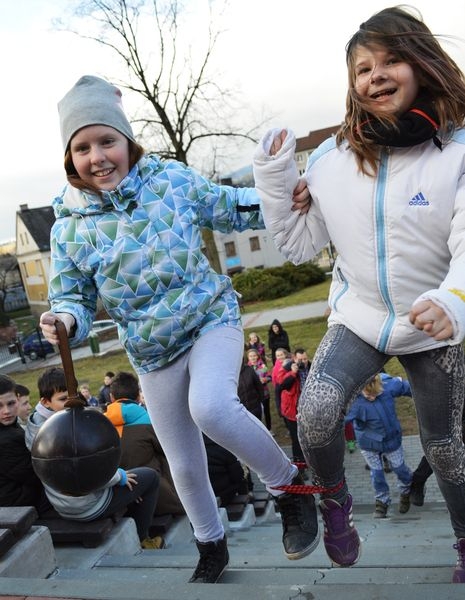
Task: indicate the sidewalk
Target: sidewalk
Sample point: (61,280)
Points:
(289,313)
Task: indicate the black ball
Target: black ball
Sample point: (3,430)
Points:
(76,451)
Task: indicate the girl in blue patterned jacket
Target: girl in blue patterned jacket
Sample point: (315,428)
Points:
(128,230)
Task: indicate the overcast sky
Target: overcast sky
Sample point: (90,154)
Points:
(287,57)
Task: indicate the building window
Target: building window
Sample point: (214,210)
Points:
(230,249)
(254,243)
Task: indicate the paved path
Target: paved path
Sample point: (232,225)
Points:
(289,313)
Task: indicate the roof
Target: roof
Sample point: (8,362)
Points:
(315,138)
(38,222)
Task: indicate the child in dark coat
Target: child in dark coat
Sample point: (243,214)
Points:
(19,485)
(277,338)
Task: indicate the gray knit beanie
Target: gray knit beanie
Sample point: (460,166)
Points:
(92,101)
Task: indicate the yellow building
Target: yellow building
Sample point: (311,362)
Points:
(33,226)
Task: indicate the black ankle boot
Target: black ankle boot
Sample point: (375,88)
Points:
(214,558)
(417,493)
(300,522)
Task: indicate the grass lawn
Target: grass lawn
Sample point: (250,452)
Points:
(306,333)
(314,293)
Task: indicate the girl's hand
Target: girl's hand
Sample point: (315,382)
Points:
(132,480)
(278,142)
(301,199)
(47,324)
(431,319)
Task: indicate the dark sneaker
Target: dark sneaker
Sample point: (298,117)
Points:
(404,503)
(340,537)
(417,493)
(459,571)
(380,510)
(214,558)
(300,522)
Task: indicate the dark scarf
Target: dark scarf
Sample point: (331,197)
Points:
(419,124)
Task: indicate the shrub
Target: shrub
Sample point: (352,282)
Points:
(276,282)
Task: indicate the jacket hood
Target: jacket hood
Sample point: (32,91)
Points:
(78,202)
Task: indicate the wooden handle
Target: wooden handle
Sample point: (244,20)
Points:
(74,399)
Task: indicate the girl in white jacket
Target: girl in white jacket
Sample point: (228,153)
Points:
(389,192)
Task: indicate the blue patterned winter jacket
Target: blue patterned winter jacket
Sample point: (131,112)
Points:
(139,249)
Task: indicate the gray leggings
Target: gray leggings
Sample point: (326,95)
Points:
(198,392)
(342,365)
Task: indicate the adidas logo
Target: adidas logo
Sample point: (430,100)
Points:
(419,200)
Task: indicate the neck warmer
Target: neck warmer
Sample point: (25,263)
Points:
(419,124)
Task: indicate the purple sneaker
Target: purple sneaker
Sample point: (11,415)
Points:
(459,571)
(340,537)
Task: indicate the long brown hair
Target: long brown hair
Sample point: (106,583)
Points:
(135,154)
(407,37)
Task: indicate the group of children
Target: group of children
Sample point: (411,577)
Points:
(141,487)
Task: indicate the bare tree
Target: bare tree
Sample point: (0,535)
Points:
(184,104)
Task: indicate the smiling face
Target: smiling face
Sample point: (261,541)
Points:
(100,155)
(280,355)
(388,84)
(253,338)
(253,357)
(8,408)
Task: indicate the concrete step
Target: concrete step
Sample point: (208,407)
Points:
(404,556)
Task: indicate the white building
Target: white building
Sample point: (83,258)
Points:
(256,249)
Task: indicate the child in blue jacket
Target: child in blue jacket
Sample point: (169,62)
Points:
(378,432)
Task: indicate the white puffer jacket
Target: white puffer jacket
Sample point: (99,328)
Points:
(400,236)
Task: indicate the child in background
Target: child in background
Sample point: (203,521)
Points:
(139,444)
(288,380)
(104,392)
(389,192)
(281,355)
(24,404)
(19,485)
(264,375)
(250,390)
(255,343)
(378,433)
(87,394)
(136,491)
(277,338)
(128,230)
